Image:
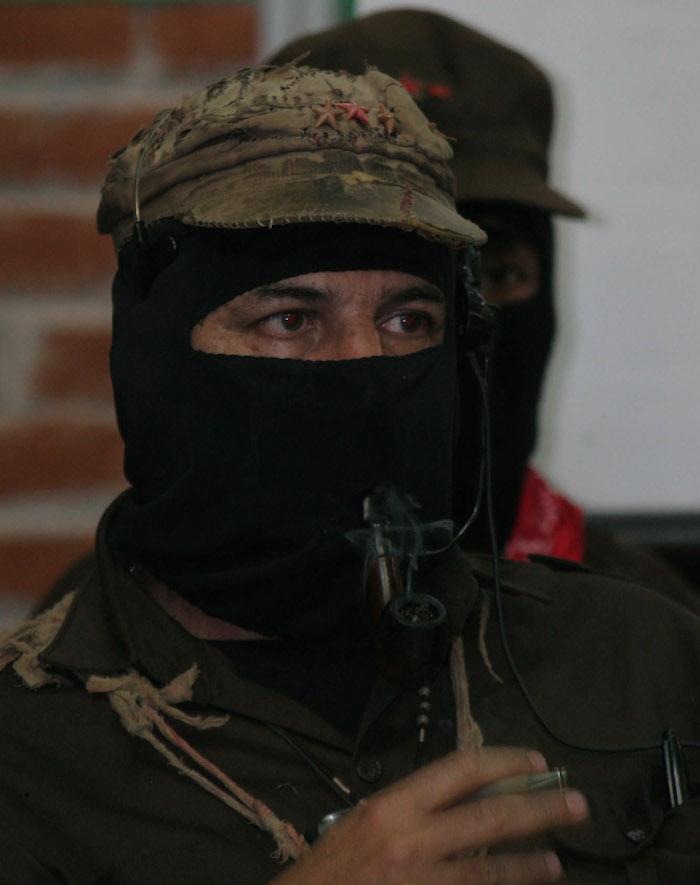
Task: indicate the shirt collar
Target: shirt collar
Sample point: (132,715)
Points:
(114,624)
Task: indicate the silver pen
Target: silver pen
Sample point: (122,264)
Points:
(554,779)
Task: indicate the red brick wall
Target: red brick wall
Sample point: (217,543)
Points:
(76,82)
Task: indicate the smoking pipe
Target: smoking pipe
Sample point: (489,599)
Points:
(410,634)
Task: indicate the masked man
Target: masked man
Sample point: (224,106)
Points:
(265,662)
(497,107)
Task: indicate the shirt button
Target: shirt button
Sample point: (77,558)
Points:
(636,835)
(369,770)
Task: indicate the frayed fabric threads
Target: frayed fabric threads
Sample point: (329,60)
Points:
(483,624)
(469,735)
(142,708)
(22,646)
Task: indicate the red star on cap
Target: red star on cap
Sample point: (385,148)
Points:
(354,110)
(326,115)
(440,90)
(387,118)
(413,87)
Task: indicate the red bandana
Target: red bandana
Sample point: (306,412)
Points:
(547,523)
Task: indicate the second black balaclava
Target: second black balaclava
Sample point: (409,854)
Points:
(247,472)
(521,350)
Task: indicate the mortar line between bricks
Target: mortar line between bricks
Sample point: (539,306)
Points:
(55,514)
(45,95)
(48,310)
(49,198)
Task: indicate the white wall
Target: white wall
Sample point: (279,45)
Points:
(282,21)
(621,418)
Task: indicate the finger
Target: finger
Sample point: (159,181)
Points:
(491,821)
(509,869)
(513,869)
(452,778)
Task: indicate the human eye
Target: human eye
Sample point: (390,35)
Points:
(510,273)
(413,326)
(507,284)
(285,323)
(503,275)
(410,322)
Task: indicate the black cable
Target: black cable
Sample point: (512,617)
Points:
(472,516)
(632,748)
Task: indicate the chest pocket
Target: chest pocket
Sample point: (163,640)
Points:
(676,848)
(634,841)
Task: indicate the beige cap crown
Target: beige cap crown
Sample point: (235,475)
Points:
(282,145)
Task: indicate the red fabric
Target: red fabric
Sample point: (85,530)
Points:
(547,523)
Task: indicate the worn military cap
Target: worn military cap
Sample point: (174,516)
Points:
(281,145)
(495,102)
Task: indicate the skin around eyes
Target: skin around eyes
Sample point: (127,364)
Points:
(327,316)
(510,271)
(510,263)
(287,324)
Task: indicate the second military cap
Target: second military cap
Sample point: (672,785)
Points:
(492,100)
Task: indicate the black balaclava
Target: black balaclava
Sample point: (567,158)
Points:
(521,350)
(247,472)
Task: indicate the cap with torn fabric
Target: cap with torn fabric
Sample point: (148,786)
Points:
(271,146)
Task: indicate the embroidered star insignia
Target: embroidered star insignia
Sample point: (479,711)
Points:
(440,90)
(412,86)
(387,118)
(326,115)
(354,111)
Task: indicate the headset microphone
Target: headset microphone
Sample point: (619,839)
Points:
(477,321)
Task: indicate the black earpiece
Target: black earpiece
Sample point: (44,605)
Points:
(153,255)
(477,321)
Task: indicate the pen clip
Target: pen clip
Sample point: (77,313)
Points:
(674,763)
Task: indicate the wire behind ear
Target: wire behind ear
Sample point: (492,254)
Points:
(153,254)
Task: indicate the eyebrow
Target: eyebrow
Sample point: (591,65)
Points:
(305,293)
(400,295)
(429,292)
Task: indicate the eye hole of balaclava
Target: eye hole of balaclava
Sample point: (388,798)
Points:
(328,315)
(513,259)
(152,334)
